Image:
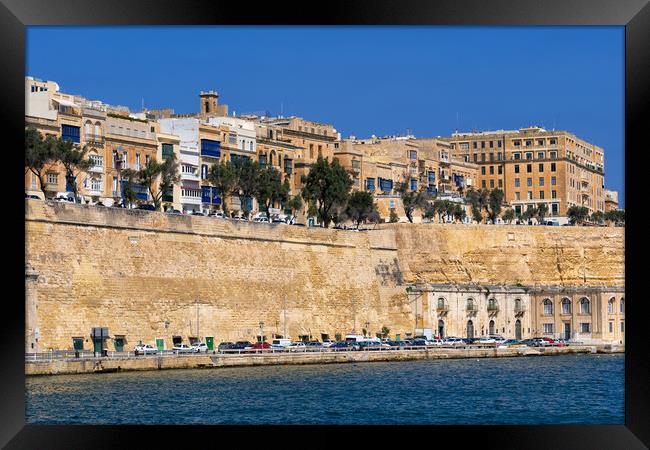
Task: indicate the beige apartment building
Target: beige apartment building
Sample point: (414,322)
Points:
(533,166)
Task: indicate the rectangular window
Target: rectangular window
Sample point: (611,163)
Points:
(516,156)
(529,195)
(96,184)
(548,328)
(541,181)
(541,195)
(137,161)
(553,181)
(541,167)
(97,160)
(482,144)
(529,182)
(540,142)
(540,155)
(464,146)
(482,170)
(210,148)
(491,170)
(516,168)
(147,158)
(529,168)
(70,133)
(475,157)
(52,178)
(529,142)
(167,151)
(483,157)
(499,144)
(413,154)
(204,171)
(500,172)
(585,327)
(491,157)
(474,144)
(553,141)
(622,327)
(516,143)
(552,167)
(517,182)
(491,144)
(500,183)
(370,184)
(517,196)
(483,184)
(34,178)
(491,184)
(414,184)
(529,155)
(553,154)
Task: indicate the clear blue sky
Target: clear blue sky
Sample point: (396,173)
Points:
(363,80)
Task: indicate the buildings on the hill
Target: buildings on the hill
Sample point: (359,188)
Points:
(530,165)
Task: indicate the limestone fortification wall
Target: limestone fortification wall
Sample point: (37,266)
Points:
(145,275)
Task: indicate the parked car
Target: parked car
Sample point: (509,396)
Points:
(242,345)
(453,341)
(470,341)
(280,343)
(275,220)
(145,349)
(146,207)
(261,220)
(419,342)
(216,214)
(197,213)
(261,345)
(327,343)
(562,342)
(510,343)
(225,346)
(315,344)
(369,345)
(63,198)
(552,342)
(174,211)
(32,196)
(497,338)
(183,348)
(539,342)
(485,340)
(340,345)
(200,347)
(297,346)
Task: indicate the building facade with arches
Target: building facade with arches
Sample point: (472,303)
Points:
(471,311)
(585,314)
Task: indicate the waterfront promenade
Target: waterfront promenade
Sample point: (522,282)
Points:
(41,364)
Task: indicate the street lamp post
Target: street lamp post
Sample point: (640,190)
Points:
(261,331)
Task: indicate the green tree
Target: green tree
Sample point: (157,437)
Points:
(222,176)
(158,177)
(326,185)
(360,206)
(248,175)
(73,159)
(385,331)
(542,211)
(412,200)
(129,195)
(615,216)
(577,214)
(270,189)
(459,213)
(393,218)
(508,215)
(529,213)
(479,201)
(494,204)
(294,204)
(39,154)
(598,217)
(430,211)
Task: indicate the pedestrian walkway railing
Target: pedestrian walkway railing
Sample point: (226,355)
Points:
(86,354)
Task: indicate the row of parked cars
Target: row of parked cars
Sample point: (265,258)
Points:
(360,344)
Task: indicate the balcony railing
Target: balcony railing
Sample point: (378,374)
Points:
(441,307)
(471,308)
(493,308)
(92,139)
(520,309)
(97,169)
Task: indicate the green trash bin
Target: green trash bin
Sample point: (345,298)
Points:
(209,341)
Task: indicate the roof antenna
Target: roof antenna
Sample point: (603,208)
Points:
(281,109)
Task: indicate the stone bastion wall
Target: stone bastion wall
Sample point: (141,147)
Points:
(151,275)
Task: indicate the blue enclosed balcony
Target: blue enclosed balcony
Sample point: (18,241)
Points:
(210,148)
(210,195)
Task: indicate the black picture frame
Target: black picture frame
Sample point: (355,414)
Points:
(15,15)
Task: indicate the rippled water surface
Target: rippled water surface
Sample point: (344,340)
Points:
(533,390)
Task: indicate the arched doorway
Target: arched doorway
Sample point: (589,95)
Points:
(518,330)
(441,328)
(492,329)
(470,329)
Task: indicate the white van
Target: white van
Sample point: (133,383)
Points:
(280,343)
(360,338)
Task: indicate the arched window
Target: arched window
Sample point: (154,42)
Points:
(470,304)
(470,329)
(517,304)
(88,128)
(548,306)
(98,129)
(584,305)
(566,306)
(441,303)
(492,305)
(611,304)
(492,328)
(623,304)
